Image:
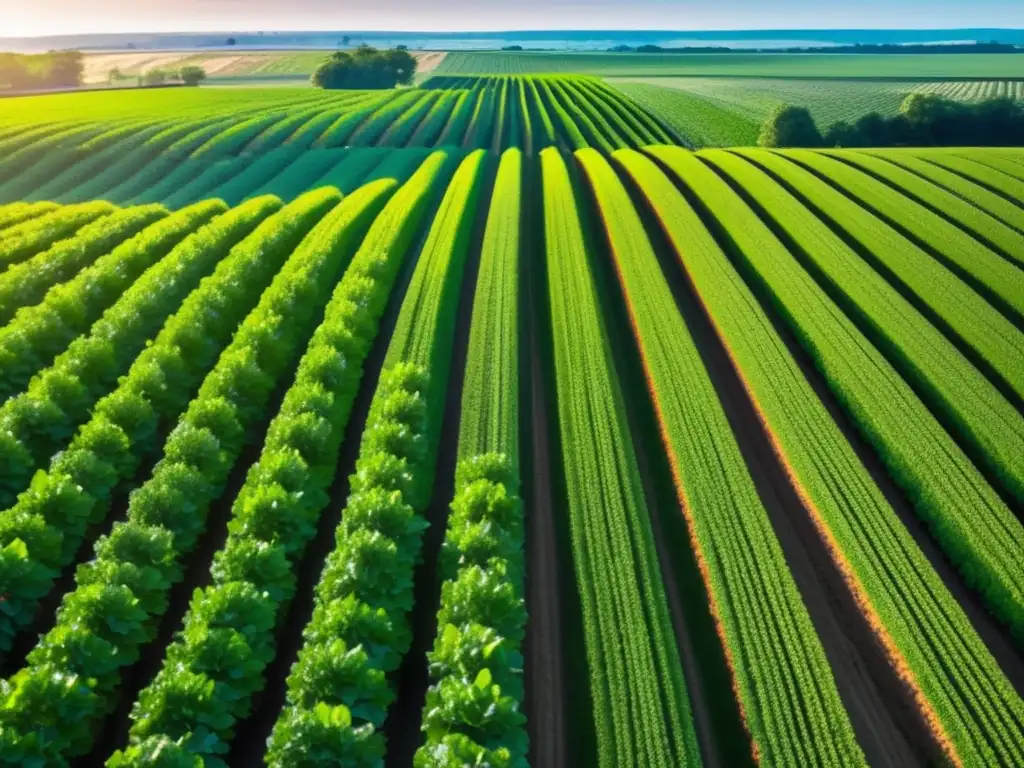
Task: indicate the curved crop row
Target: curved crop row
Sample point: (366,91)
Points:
(26,283)
(338,694)
(381,119)
(947,297)
(251,175)
(35,423)
(406,124)
(61,157)
(82,183)
(275,514)
(234,139)
(454,132)
(113,606)
(970,707)
(988,177)
(976,221)
(429,131)
(972,524)
(981,417)
(14,214)
(51,518)
(342,129)
(35,234)
(641,708)
(989,202)
(91,161)
(775,657)
(39,333)
(472,706)
(999,278)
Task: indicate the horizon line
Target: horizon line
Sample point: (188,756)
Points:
(278,31)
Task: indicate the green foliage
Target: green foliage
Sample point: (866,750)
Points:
(75,491)
(895,585)
(275,513)
(191,75)
(641,708)
(789,126)
(25,238)
(37,422)
(476,662)
(360,630)
(57,69)
(38,333)
(28,282)
(366,67)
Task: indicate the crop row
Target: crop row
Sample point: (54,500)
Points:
(121,594)
(179,159)
(35,423)
(216,663)
(774,655)
(50,519)
(970,521)
(472,706)
(26,283)
(987,270)
(641,708)
(990,335)
(969,704)
(38,333)
(338,691)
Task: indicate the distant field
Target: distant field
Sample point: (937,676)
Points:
(245,66)
(728,111)
(910,66)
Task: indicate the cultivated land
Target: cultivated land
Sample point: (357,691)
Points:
(225,66)
(937,66)
(729,111)
(484,423)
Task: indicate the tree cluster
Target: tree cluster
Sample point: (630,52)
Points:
(189,75)
(366,68)
(57,69)
(924,120)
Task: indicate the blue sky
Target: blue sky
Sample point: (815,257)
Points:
(41,17)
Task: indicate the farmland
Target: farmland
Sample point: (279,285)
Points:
(902,67)
(487,423)
(223,67)
(729,111)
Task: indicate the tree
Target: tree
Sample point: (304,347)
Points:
(841,134)
(114,75)
(153,77)
(345,41)
(231,41)
(367,68)
(192,75)
(789,126)
(66,69)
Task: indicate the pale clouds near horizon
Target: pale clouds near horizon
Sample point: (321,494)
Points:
(41,17)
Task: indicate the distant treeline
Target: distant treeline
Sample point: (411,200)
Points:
(992,47)
(57,69)
(924,120)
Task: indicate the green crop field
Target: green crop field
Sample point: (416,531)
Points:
(487,423)
(729,111)
(897,66)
